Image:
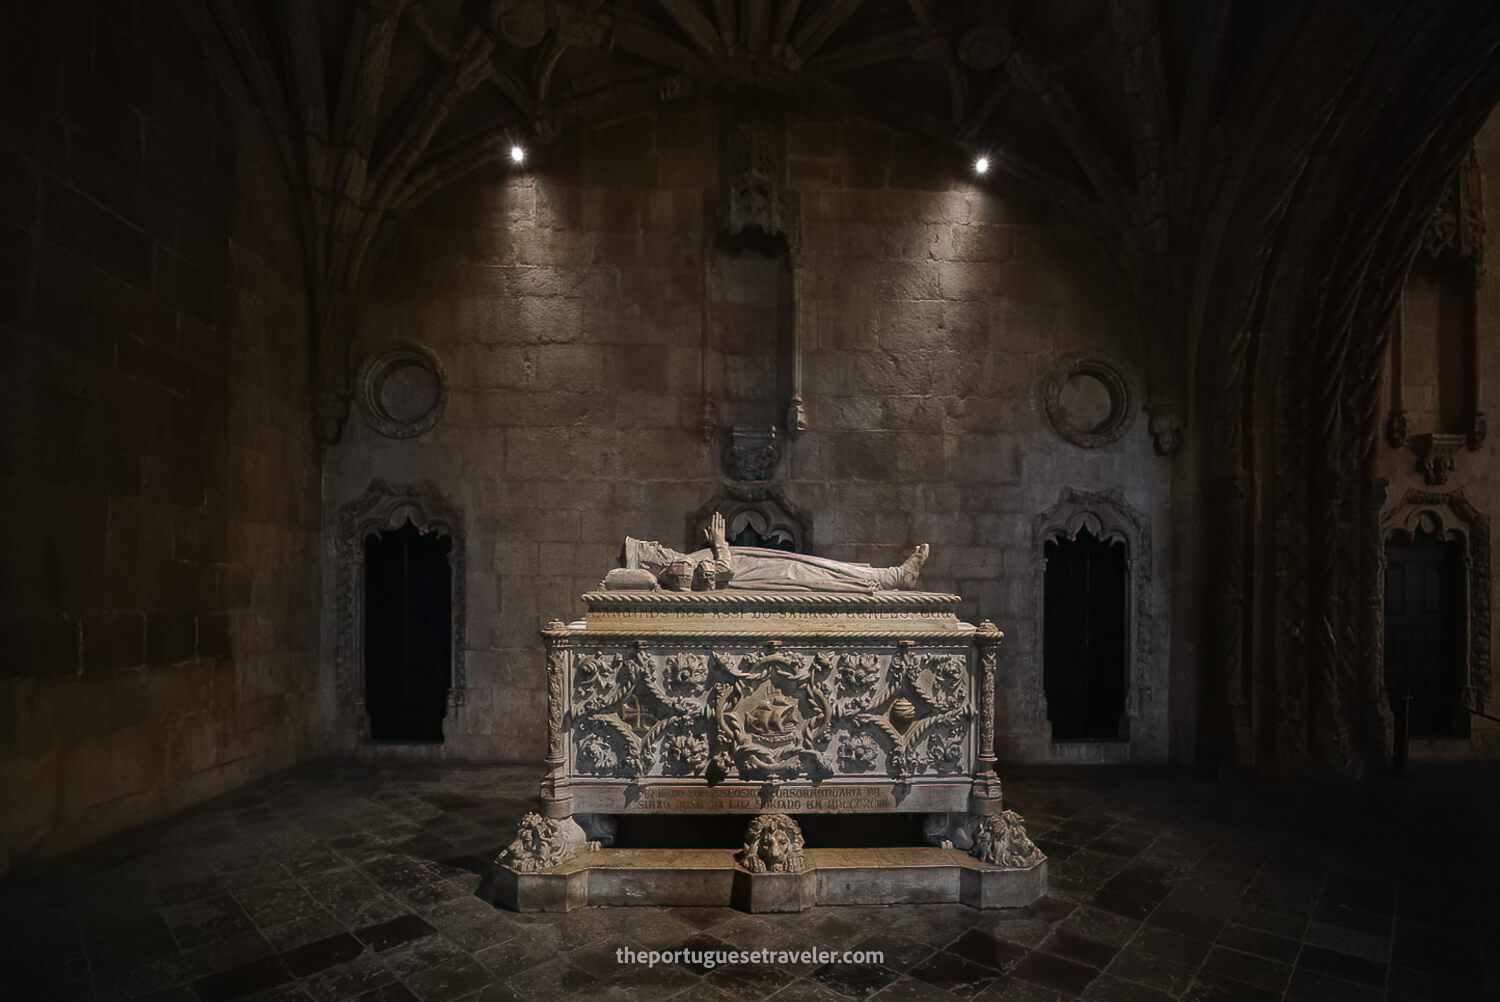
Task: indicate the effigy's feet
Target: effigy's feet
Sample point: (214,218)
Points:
(911,567)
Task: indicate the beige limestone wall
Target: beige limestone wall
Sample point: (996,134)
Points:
(157,630)
(566,303)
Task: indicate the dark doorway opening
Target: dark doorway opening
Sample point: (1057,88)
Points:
(1425,626)
(408,633)
(1084,638)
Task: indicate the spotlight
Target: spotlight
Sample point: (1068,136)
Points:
(982,165)
(517,154)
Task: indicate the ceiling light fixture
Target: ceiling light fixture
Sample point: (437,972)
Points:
(982,165)
(517,154)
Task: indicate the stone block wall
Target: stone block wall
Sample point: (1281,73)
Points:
(566,302)
(157,632)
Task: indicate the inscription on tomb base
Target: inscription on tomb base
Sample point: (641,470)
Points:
(755,799)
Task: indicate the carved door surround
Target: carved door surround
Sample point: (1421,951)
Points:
(1108,517)
(1447,514)
(390,506)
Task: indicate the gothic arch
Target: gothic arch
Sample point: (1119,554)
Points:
(389,506)
(1447,514)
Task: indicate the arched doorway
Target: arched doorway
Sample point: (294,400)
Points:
(1426,626)
(408,633)
(1085,637)
(401,612)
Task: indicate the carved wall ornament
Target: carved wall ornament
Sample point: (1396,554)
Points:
(402,391)
(1455,230)
(752,188)
(1110,518)
(384,506)
(1088,400)
(1445,514)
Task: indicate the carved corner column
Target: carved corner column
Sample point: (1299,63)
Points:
(985,799)
(557,801)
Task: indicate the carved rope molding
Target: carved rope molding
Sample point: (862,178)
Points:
(1109,517)
(388,506)
(1474,526)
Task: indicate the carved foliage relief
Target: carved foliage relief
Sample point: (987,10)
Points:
(770,715)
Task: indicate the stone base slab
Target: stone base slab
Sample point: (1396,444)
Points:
(709,878)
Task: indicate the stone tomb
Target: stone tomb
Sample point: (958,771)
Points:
(770,704)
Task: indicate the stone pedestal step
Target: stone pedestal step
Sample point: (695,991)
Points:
(710,878)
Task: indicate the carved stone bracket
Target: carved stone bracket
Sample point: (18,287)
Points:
(381,507)
(751,456)
(1435,456)
(1165,425)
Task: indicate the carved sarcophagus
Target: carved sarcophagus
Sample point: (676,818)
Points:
(761,702)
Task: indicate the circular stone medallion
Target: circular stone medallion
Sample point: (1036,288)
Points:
(402,391)
(1088,400)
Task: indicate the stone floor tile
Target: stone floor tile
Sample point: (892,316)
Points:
(447,982)
(988,950)
(1055,972)
(1281,949)
(858,981)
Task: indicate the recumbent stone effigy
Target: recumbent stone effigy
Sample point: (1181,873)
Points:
(740,680)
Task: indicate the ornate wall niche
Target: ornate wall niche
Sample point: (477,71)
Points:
(1089,400)
(402,391)
(754,519)
(390,506)
(1447,514)
(1108,517)
(1435,408)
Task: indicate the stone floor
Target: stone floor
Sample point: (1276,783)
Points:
(359,881)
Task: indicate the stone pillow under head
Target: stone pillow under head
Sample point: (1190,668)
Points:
(630,579)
